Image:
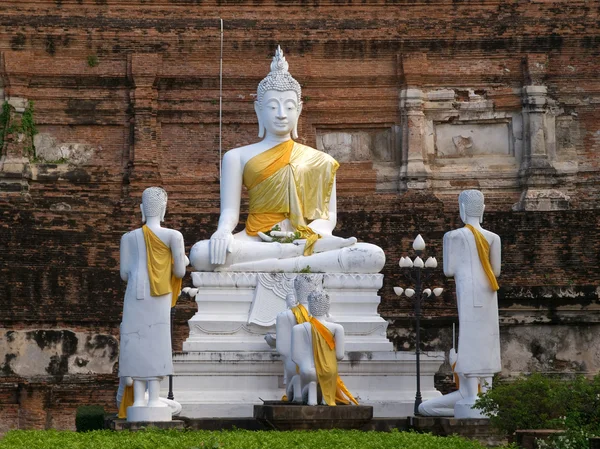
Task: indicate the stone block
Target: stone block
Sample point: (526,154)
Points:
(283,416)
(473,139)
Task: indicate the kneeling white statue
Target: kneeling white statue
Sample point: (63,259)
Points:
(292,198)
(297,313)
(317,345)
(472,256)
(153,263)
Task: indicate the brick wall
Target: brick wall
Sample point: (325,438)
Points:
(138,81)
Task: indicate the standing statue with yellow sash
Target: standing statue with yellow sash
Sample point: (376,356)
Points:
(153,263)
(292,198)
(317,345)
(472,256)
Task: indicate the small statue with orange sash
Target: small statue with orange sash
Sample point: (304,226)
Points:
(472,255)
(317,345)
(296,313)
(153,264)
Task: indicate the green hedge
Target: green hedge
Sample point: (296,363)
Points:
(89,417)
(543,402)
(237,439)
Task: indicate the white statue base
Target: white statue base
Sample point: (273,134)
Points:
(227,367)
(229,384)
(149,414)
(236,310)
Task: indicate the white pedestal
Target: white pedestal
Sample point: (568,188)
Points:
(229,384)
(227,367)
(149,414)
(236,310)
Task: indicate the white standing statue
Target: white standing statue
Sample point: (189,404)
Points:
(317,345)
(297,313)
(153,263)
(292,197)
(472,256)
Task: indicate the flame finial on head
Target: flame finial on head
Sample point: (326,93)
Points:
(278,79)
(279,64)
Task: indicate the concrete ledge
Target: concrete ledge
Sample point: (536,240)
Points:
(477,429)
(527,439)
(122,424)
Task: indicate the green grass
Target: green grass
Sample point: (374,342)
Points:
(237,439)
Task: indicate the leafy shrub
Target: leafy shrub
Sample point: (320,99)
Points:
(571,439)
(542,402)
(237,439)
(89,417)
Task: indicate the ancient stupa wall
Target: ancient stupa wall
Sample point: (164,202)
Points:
(418,100)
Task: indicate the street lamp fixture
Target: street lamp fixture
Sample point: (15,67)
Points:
(418,272)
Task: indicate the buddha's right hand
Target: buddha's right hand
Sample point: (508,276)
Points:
(220,244)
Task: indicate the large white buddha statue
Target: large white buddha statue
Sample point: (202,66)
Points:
(317,345)
(292,198)
(472,256)
(153,263)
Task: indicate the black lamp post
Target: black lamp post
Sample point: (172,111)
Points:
(418,272)
(170,395)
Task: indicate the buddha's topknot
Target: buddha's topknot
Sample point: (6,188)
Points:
(278,79)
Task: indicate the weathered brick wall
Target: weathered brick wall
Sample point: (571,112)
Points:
(139,83)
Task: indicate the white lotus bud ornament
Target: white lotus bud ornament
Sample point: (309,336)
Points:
(431,262)
(398,291)
(419,243)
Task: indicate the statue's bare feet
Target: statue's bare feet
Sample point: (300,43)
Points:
(332,243)
(290,250)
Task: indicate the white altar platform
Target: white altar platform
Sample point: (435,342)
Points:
(226,366)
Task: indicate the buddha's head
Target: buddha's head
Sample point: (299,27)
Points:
(470,204)
(154,203)
(318,303)
(306,283)
(278,100)
(290,300)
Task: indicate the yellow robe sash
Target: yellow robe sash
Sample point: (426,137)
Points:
(333,388)
(126,401)
(300,313)
(290,181)
(483,250)
(160,261)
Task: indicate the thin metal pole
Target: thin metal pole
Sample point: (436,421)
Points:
(418,398)
(221,102)
(170,394)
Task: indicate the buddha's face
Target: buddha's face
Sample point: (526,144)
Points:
(279,112)
(290,300)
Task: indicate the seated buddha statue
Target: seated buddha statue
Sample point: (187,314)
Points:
(292,198)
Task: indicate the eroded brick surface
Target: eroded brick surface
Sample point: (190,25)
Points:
(138,81)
